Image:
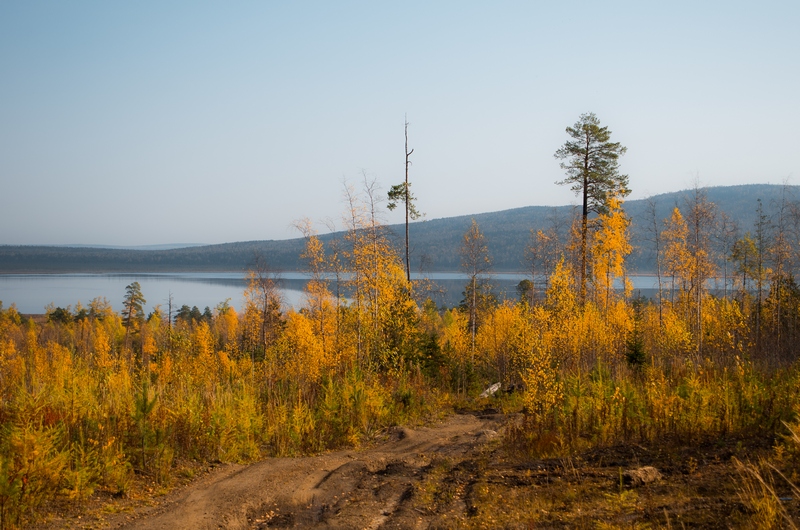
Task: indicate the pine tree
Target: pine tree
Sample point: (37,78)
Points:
(590,160)
(133,310)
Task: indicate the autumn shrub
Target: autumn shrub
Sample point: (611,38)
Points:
(83,472)
(455,345)
(601,409)
(544,390)
(236,425)
(31,469)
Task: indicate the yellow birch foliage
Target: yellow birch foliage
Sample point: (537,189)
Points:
(560,315)
(320,304)
(561,300)
(83,337)
(12,368)
(610,246)
(226,327)
(300,350)
(505,340)
(59,365)
(203,366)
(381,297)
(250,325)
(540,373)
(455,338)
(101,346)
(204,343)
(322,311)
(262,306)
(618,326)
(674,339)
(725,328)
(495,339)
(35,355)
(677,258)
(164,369)
(149,348)
(117,392)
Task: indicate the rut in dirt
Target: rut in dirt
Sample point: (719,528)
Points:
(345,489)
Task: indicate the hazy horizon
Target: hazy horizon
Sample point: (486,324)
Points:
(168,246)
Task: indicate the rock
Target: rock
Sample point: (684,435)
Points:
(641,476)
(491,390)
(486,436)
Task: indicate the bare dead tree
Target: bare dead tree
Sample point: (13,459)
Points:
(726,234)
(402,193)
(653,235)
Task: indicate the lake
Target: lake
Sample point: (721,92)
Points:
(31,293)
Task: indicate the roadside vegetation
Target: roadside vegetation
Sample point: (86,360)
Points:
(98,403)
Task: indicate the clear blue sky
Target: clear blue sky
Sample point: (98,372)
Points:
(206,122)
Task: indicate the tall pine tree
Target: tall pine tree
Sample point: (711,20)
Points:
(590,160)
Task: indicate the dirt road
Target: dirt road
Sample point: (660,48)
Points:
(449,475)
(345,489)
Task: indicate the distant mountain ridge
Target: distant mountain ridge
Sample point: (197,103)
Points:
(435,243)
(164,246)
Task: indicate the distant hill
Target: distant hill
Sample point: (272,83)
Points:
(167,246)
(283,255)
(435,242)
(507,232)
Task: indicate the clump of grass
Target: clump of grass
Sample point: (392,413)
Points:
(435,490)
(759,493)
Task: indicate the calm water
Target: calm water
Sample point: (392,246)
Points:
(31,293)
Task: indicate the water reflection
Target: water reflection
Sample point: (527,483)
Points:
(33,292)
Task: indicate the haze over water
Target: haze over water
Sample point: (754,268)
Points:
(32,293)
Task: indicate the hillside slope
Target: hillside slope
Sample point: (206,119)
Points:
(435,242)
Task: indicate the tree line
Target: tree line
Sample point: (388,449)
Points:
(434,242)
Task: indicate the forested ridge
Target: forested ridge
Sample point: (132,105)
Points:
(434,243)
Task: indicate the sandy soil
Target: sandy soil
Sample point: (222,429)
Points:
(345,489)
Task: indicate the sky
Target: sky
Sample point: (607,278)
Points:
(152,122)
